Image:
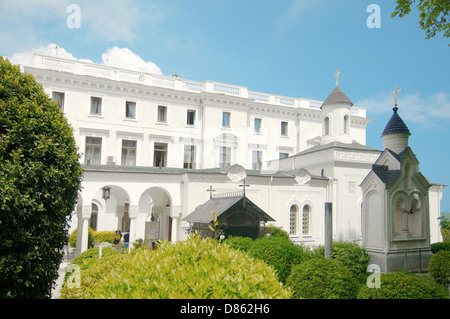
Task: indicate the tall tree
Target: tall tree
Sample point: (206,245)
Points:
(433,15)
(40,176)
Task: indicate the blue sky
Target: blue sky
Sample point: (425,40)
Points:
(287,47)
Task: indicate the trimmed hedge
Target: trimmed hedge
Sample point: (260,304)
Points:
(404,286)
(94,237)
(322,279)
(439,267)
(194,268)
(437,247)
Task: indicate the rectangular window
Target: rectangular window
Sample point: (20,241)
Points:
(257,125)
(256,160)
(130,110)
(162,114)
(160,155)
(284,128)
(224,157)
(93,151)
(283,155)
(190,117)
(226,119)
(59,98)
(189,156)
(128,153)
(96,105)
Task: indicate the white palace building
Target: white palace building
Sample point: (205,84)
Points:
(157,144)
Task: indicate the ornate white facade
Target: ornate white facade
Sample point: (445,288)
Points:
(160,142)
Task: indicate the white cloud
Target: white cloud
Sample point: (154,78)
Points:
(114,57)
(126,59)
(51,49)
(412,107)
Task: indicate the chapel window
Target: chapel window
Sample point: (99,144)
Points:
(306,219)
(346,125)
(293,215)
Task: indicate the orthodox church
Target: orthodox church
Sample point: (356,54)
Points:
(160,153)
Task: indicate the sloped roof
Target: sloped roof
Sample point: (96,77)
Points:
(395,125)
(335,144)
(337,96)
(202,214)
(382,171)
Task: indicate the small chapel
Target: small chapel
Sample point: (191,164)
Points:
(396,204)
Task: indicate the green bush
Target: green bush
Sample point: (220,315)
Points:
(103,237)
(351,256)
(241,243)
(278,252)
(73,238)
(194,268)
(275,231)
(40,176)
(437,247)
(320,278)
(404,286)
(439,267)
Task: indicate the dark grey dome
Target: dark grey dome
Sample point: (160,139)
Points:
(395,125)
(337,96)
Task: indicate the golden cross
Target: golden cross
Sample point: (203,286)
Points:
(395,92)
(337,77)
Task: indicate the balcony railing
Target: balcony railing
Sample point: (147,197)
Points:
(96,70)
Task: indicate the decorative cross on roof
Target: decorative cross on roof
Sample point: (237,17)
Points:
(337,77)
(243,196)
(210,190)
(395,92)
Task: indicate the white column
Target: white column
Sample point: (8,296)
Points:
(133,214)
(83,228)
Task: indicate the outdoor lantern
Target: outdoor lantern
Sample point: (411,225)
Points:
(106,192)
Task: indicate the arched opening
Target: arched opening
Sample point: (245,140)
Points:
(408,176)
(94,217)
(156,203)
(327,125)
(346,124)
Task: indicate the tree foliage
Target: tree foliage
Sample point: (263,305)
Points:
(39,180)
(433,15)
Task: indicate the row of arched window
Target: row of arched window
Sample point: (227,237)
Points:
(346,128)
(294,219)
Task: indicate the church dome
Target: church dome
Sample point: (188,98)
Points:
(336,96)
(395,125)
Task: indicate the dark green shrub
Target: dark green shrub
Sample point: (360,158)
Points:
(278,252)
(241,243)
(439,267)
(404,286)
(275,231)
(322,279)
(437,247)
(351,256)
(194,268)
(40,176)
